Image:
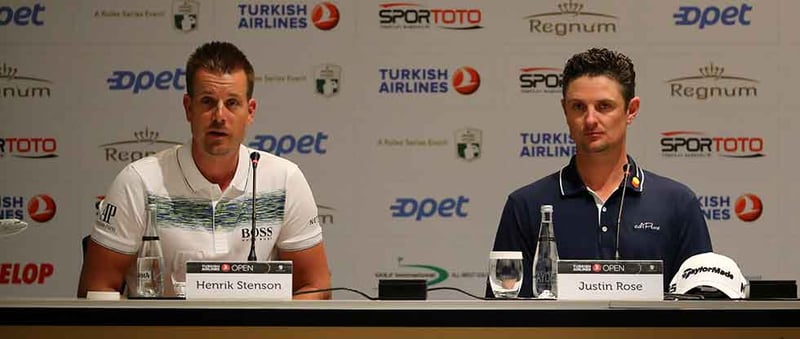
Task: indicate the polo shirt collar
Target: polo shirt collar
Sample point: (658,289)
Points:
(197,182)
(570,182)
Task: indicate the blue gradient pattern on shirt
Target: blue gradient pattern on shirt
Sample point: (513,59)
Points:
(196,213)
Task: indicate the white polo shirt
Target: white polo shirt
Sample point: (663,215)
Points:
(197,221)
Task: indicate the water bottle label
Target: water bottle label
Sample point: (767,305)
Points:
(547,239)
(145,275)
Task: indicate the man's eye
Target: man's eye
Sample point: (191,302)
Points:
(232,103)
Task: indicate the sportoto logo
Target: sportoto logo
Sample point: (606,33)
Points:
(41,208)
(748,207)
(466,80)
(325,16)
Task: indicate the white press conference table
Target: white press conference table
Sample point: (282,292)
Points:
(80,318)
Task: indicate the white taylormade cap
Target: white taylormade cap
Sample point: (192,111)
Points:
(712,270)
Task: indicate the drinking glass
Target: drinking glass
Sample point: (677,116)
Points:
(505,273)
(178,275)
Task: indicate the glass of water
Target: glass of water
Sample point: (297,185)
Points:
(505,273)
(178,275)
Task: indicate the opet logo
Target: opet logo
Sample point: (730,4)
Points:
(288,144)
(22,16)
(429,208)
(144,80)
(711,15)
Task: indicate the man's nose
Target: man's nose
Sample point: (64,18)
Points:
(219,111)
(591,116)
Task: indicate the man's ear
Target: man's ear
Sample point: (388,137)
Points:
(187,103)
(633,109)
(251,110)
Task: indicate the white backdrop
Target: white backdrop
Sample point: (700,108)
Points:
(57,92)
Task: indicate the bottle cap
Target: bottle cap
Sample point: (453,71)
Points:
(547,208)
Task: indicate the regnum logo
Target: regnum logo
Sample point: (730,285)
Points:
(405,15)
(327,79)
(144,143)
(16,85)
(185,14)
(572,18)
(325,16)
(712,82)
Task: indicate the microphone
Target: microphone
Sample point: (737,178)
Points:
(626,169)
(254,156)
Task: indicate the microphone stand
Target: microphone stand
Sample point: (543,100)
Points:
(625,168)
(252,256)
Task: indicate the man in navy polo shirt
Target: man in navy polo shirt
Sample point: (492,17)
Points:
(661,218)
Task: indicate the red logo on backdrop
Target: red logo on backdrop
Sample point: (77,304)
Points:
(325,16)
(225,267)
(28,273)
(748,207)
(596,268)
(466,80)
(41,208)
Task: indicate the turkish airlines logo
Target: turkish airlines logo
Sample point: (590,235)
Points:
(466,80)
(748,207)
(325,16)
(41,208)
(596,268)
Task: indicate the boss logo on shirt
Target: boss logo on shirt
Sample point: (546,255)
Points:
(262,233)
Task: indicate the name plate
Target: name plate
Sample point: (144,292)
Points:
(251,280)
(610,280)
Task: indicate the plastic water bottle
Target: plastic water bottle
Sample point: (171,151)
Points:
(545,261)
(150,262)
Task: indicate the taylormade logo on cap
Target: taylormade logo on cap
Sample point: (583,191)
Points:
(710,270)
(704,269)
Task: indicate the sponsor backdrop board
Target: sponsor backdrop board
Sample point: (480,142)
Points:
(424,115)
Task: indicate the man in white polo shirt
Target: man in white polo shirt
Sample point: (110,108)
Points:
(203,192)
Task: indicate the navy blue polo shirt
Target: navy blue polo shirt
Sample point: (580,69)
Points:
(661,219)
